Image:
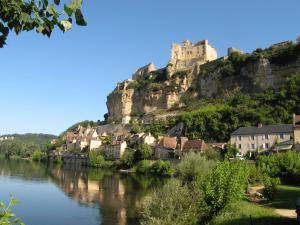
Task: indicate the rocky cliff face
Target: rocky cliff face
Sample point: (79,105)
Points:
(203,81)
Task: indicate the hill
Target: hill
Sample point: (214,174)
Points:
(24,145)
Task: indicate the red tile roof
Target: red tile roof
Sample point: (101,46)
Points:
(198,145)
(168,143)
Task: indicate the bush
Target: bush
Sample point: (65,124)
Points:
(99,161)
(128,158)
(38,155)
(161,168)
(143,167)
(284,165)
(193,167)
(172,204)
(143,151)
(271,187)
(212,154)
(224,184)
(255,175)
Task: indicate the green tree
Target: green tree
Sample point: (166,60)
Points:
(194,167)
(172,204)
(225,184)
(128,158)
(41,15)
(271,187)
(161,168)
(143,151)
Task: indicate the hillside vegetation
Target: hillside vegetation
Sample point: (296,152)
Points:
(25,145)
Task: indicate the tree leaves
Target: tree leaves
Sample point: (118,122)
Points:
(79,18)
(67,25)
(41,15)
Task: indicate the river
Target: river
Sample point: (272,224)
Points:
(70,195)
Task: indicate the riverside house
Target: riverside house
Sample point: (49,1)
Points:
(261,138)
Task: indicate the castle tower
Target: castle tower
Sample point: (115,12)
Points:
(188,55)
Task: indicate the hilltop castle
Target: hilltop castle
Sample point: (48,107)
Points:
(188,55)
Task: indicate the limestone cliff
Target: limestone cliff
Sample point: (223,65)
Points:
(162,90)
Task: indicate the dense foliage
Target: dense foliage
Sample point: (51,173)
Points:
(158,168)
(215,122)
(41,15)
(98,160)
(271,187)
(173,204)
(194,167)
(225,184)
(24,145)
(285,165)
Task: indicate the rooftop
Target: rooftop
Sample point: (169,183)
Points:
(269,129)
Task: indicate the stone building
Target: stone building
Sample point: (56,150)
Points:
(188,55)
(296,124)
(143,72)
(166,148)
(261,138)
(115,150)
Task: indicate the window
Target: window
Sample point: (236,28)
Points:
(266,136)
(240,146)
(281,136)
(240,138)
(252,137)
(266,145)
(252,146)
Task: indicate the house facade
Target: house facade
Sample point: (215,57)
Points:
(115,150)
(166,148)
(261,138)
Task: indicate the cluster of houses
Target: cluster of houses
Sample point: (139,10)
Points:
(7,138)
(248,140)
(114,146)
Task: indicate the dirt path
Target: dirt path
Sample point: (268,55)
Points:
(290,213)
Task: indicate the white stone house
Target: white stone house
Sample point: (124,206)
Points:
(261,138)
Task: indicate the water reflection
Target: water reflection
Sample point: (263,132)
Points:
(116,195)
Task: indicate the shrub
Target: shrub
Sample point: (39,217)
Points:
(172,204)
(38,155)
(224,184)
(212,154)
(161,168)
(193,166)
(143,167)
(271,187)
(255,175)
(128,158)
(99,161)
(143,151)
(285,165)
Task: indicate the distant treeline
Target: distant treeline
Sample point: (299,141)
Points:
(24,145)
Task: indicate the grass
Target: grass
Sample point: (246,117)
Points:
(285,198)
(238,213)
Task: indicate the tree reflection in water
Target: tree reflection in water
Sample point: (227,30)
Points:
(117,195)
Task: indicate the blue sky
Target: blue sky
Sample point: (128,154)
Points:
(49,84)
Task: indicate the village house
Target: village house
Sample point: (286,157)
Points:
(261,138)
(166,148)
(115,150)
(96,141)
(197,146)
(296,125)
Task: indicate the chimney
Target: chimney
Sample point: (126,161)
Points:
(259,125)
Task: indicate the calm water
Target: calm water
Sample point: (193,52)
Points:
(72,196)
